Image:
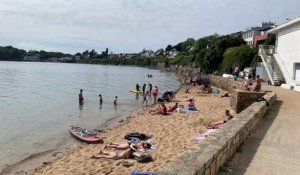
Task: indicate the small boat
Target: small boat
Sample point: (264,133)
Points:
(85,135)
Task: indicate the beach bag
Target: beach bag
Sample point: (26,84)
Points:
(144,158)
(136,135)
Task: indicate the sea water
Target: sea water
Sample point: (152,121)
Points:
(38,101)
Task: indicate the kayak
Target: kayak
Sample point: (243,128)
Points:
(85,135)
(135,91)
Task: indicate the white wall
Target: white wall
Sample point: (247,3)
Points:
(288,47)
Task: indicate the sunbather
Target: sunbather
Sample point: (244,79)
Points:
(162,109)
(126,154)
(142,145)
(218,124)
(173,108)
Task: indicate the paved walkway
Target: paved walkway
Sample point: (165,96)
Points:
(274,149)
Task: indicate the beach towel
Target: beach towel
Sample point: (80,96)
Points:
(142,173)
(215,91)
(204,135)
(186,110)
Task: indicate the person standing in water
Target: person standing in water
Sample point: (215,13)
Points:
(144,88)
(145,95)
(155,93)
(150,88)
(137,87)
(115,101)
(100,100)
(80,95)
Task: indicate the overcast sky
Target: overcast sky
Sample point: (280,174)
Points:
(129,25)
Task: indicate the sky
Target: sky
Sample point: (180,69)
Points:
(72,26)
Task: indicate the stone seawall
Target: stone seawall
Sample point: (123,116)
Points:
(219,146)
(226,84)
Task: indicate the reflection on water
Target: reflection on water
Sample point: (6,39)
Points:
(39,102)
(81,105)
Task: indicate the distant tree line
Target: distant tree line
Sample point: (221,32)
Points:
(9,53)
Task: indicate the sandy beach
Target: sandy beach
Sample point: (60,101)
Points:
(172,134)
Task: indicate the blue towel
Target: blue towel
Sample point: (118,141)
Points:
(142,173)
(186,109)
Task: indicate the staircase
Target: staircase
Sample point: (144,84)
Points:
(273,70)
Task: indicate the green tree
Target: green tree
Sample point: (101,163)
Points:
(241,56)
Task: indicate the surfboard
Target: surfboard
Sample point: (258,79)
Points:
(85,135)
(135,91)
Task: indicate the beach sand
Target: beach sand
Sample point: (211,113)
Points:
(172,134)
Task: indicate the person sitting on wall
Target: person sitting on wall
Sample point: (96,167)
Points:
(248,83)
(258,83)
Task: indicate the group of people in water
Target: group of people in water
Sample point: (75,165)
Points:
(81,98)
(148,93)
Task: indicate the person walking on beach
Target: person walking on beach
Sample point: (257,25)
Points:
(80,95)
(144,87)
(115,101)
(145,95)
(155,94)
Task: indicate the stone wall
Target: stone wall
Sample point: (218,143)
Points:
(239,99)
(212,152)
(226,84)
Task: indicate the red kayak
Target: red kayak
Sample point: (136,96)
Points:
(85,135)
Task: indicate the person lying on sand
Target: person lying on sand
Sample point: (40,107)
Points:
(173,108)
(162,109)
(126,154)
(142,145)
(217,124)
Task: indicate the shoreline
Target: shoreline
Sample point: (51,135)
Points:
(36,160)
(172,134)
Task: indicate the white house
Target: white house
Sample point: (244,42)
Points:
(250,35)
(287,51)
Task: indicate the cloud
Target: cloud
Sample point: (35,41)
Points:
(130,25)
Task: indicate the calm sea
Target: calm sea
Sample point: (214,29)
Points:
(38,101)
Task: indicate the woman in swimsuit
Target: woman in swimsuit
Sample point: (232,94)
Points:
(126,154)
(225,119)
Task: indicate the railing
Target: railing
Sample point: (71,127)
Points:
(263,51)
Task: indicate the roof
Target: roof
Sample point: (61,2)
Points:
(284,25)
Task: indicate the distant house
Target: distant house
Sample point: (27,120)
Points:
(284,59)
(147,53)
(173,53)
(256,35)
(54,59)
(32,58)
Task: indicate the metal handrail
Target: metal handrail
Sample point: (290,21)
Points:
(264,58)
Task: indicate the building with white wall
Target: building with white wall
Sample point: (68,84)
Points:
(254,35)
(287,50)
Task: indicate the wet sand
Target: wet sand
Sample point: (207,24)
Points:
(172,134)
